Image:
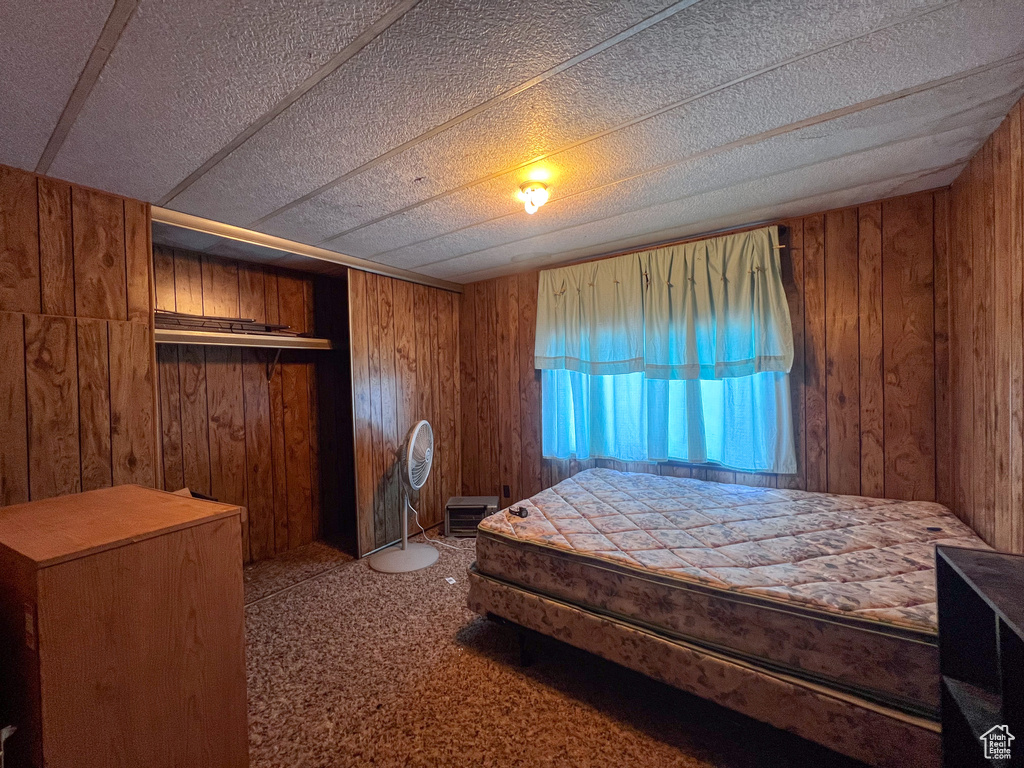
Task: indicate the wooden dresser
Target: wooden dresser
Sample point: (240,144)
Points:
(122,631)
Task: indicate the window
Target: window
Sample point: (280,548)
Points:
(743,423)
(680,353)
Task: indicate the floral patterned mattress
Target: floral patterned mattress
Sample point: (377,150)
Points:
(839,590)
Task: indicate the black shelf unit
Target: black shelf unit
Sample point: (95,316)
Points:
(981,653)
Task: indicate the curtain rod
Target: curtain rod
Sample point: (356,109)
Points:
(681,241)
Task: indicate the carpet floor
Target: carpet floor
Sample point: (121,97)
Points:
(348,667)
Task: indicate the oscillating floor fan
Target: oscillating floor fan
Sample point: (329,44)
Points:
(417,455)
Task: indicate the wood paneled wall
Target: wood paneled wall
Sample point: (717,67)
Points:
(77,395)
(867,293)
(985,409)
(227,431)
(405,367)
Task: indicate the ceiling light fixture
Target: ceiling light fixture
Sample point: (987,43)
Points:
(534,194)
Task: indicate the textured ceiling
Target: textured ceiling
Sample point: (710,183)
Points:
(399,130)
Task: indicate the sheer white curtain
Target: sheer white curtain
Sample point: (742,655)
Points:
(679,353)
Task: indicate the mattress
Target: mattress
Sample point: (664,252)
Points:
(837,590)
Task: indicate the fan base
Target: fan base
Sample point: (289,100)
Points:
(394,559)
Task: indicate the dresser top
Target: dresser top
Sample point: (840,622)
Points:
(64,528)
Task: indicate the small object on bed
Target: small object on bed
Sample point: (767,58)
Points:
(522,512)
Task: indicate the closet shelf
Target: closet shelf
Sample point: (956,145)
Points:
(216,339)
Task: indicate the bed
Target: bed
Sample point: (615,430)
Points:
(810,611)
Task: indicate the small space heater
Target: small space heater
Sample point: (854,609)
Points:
(463,513)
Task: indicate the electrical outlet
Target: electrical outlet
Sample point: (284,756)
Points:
(506,490)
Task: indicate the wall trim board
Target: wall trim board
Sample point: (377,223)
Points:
(293,254)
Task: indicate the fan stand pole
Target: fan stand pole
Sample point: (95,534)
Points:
(404,557)
(405,519)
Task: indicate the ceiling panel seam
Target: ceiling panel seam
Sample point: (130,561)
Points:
(370,34)
(874,148)
(484,106)
(114,26)
(666,239)
(757,138)
(613,129)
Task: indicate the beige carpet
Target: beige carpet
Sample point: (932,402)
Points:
(348,667)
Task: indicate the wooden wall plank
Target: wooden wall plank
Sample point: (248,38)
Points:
(447,418)
(793,280)
(453,351)
(909,352)
(226,427)
(943,416)
(313,439)
(426,377)
(278,454)
(406,396)
(467,376)
(138,248)
(487,386)
(815,382)
(195,419)
(295,389)
(435,483)
(872,375)
(188,282)
(252,296)
(258,454)
(56,258)
(362,411)
(307,302)
(1010,535)
(272,297)
(842,351)
(19,242)
(100,277)
(94,404)
(983,470)
(51,379)
(163,277)
(1003,342)
(132,409)
(407,402)
(377,408)
(529,387)
(962,351)
(291,301)
(13,415)
(220,287)
(170,417)
(510,444)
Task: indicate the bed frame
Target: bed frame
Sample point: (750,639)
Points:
(861,729)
